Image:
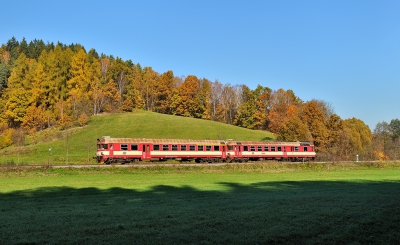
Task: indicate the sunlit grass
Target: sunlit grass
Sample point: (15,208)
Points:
(205,205)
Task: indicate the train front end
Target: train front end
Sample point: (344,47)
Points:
(103,152)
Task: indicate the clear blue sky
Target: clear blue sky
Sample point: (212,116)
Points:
(344,52)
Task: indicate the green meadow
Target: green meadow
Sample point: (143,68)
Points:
(261,203)
(78,145)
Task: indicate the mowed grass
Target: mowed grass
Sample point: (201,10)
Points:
(78,145)
(233,204)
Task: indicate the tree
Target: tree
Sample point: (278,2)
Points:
(12,47)
(204,98)
(293,129)
(34,119)
(79,84)
(215,100)
(228,110)
(395,128)
(186,100)
(111,96)
(315,115)
(335,129)
(163,92)
(150,84)
(360,136)
(262,101)
(20,75)
(23,47)
(3,76)
(247,109)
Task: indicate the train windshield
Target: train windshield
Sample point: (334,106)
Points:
(102,146)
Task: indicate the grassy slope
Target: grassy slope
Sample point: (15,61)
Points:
(139,124)
(209,205)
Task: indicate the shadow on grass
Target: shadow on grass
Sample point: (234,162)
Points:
(308,212)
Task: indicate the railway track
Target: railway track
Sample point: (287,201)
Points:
(137,165)
(144,165)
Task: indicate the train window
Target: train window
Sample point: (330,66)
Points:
(102,147)
(124,147)
(265,148)
(156,147)
(134,147)
(174,147)
(305,148)
(208,147)
(200,148)
(252,148)
(245,148)
(230,147)
(259,148)
(272,148)
(165,147)
(296,148)
(279,148)
(192,147)
(183,147)
(216,148)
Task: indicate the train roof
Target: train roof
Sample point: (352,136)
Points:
(107,140)
(274,143)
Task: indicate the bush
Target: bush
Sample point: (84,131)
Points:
(83,119)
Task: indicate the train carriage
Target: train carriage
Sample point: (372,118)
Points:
(124,150)
(250,150)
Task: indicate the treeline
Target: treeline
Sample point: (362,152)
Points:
(46,85)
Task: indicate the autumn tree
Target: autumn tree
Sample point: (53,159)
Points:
(215,100)
(294,129)
(262,96)
(186,99)
(204,97)
(149,87)
(56,65)
(246,109)
(34,119)
(281,107)
(163,92)
(315,115)
(85,78)
(386,140)
(18,94)
(360,137)
(228,109)
(334,143)
(111,96)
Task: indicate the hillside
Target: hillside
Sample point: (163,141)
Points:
(81,142)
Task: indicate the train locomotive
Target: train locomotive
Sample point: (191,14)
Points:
(126,150)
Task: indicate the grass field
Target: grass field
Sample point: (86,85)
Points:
(233,204)
(78,145)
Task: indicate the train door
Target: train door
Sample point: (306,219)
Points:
(238,151)
(146,153)
(223,151)
(111,151)
(285,151)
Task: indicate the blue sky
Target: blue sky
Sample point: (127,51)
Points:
(344,52)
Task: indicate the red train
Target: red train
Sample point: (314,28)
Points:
(126,150)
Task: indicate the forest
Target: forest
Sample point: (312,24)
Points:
(44,85)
